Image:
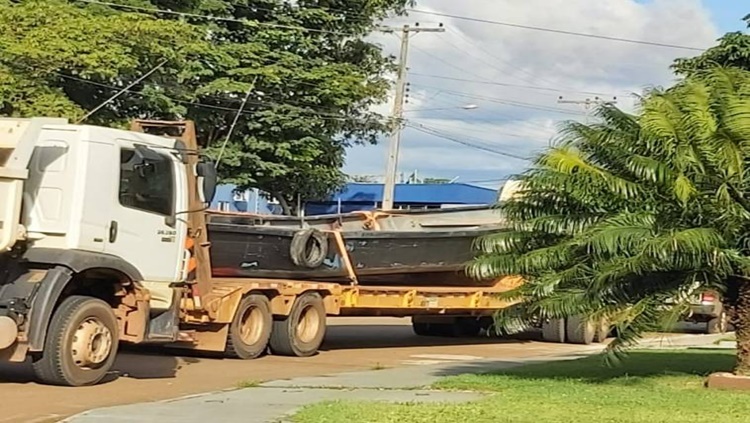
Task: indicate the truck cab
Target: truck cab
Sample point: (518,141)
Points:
(93,241)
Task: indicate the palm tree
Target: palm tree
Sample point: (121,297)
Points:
(622,215)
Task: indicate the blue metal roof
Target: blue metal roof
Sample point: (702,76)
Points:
(418,193)
(356,196)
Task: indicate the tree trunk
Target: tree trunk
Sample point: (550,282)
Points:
(742,328)
(284,205)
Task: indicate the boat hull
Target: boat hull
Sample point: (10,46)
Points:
(377,257)
(437,220)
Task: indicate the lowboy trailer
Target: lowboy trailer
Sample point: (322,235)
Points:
(103,240)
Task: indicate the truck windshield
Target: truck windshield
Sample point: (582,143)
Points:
(150,189)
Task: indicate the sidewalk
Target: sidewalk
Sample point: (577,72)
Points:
(272,401)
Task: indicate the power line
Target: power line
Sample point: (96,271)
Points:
(427,130)
(448,63)
(508,63)
(556,31)
(503,84)
(505,101)
(492,123)
(481,140)
(316,114)
(212,18)
(261,103)
(507,134)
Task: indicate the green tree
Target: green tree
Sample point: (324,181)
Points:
(310,74)
(733,50)
(623,215)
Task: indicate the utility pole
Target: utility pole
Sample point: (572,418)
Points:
(588,104)
(398,110)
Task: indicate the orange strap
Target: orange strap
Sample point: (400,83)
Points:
(192,262)
(345,256)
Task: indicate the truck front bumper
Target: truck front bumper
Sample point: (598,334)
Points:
(705,310)
(8,332)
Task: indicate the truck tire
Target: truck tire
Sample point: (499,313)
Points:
(467,327)
(81,344)
(250,329)
(423,329)
(309,248)
(553,330)
(718,324)
(580,330)
(458,327)
(602,332)
(301,333)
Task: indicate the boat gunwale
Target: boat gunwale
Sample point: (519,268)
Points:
(476,231)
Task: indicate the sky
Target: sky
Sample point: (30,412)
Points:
(492,92)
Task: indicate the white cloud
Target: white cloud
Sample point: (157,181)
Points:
(577,66)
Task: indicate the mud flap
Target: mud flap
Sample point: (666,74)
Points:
(165,327)
(43,305)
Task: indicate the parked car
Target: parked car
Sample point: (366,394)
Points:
(707,307)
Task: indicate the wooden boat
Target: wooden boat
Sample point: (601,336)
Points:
(403,248)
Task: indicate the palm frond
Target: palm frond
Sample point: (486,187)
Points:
(631,211)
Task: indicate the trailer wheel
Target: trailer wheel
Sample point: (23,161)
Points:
(467,327)
(718,324)
(250,329)
(602,332)
(580,330)
(81,343)
(434,329)
(422,329)
(553,330)
(301,333)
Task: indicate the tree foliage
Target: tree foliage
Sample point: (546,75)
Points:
(621,216)
(733,50)
(311,75)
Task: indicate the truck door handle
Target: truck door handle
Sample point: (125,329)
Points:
(112,231)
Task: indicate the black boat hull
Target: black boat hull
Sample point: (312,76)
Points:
(376,256)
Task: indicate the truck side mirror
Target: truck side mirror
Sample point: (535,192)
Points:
(147,155)
(206,171)
(145,160)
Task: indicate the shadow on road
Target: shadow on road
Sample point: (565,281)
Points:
(138,364)
(632,369)
(362,336)
(353,337)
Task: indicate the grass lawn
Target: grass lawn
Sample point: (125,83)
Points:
(649,386)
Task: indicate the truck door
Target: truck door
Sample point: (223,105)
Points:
(144,229)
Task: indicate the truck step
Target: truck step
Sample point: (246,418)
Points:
(186,336)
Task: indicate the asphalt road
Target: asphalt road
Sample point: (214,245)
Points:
(352,344)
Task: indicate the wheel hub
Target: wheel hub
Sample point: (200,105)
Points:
(308,326)
(92,343)
(8,332)
(251,326)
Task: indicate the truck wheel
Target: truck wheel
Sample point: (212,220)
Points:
(580,330)
(467,327)
(602,332)
(553,330)
(301,333)
(81,344)
(422,329)
(718,324)
(250,329)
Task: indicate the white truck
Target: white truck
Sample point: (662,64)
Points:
(103,239)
